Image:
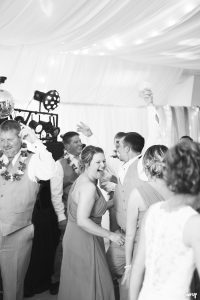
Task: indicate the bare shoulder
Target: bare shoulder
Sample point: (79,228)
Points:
(191,233)
(86,186)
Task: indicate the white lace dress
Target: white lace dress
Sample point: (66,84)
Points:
(169,263)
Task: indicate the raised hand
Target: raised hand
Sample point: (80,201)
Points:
(84,129)
(147,95)
(27,134)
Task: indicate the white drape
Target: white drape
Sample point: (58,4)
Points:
(98,52)
(84,80)
(164,32)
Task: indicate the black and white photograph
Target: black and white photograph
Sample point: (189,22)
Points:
(99,150)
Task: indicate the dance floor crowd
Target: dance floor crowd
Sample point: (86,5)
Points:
(151,195)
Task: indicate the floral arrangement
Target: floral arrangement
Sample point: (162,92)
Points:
(72,162)
(20,170)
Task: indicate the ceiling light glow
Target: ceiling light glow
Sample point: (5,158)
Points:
(139,42)
(188,8)
(190,42)
(155,33)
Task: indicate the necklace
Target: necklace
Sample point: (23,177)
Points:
(20,170)
(72,162)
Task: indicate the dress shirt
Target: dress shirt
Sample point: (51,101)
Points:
(114,165)
(41,165)
(57,189)
(124,168)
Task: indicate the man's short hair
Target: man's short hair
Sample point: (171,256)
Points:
(119,135)
(68,135)
(8,125)
(186,137)
(135,141)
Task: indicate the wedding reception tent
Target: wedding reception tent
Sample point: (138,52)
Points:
(99,55)
(63,62)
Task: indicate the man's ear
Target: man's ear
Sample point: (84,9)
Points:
(127,148)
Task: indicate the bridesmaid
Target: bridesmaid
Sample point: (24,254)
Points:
(141,198)
(84,272)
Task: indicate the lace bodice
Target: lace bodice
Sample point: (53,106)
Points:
(169,263)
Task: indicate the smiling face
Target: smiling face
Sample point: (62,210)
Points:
(10,142)
(97,166)
(75,145)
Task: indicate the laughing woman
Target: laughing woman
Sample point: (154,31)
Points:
(84,273)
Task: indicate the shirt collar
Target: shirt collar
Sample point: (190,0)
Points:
(15,158)
(72,156)
(130,161)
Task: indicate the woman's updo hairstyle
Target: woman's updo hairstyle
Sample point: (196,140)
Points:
(182,168)
(153,161)
(87,155)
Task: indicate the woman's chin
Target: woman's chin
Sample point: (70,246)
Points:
(99,174)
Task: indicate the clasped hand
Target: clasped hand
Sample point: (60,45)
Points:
(117,238)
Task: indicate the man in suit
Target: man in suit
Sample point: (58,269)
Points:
(67,170)
(20,171)
(130,148)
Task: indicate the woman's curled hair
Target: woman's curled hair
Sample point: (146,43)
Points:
(153,161)
(182,168)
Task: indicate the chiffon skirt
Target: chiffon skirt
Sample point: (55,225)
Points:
(84,272)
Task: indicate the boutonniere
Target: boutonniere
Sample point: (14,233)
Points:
(72,162)
(21,167)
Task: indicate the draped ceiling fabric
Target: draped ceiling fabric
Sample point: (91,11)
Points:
(98,55)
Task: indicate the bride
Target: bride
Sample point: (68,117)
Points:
(169,244)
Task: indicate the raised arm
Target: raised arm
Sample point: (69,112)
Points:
(42,164)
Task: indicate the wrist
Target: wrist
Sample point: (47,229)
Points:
(88,134)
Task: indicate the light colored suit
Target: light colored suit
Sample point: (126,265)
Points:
(17,200)
(115,253)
